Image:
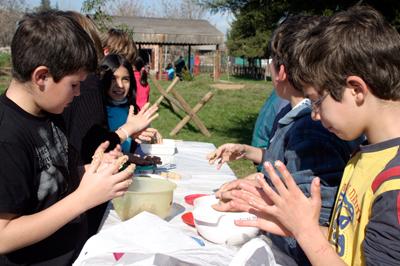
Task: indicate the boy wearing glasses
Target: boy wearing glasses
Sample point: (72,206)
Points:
(304,145)
(350,67)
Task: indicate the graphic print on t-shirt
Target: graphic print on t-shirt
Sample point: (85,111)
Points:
(53,162)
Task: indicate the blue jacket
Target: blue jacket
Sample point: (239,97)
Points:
(309,150)
(263,127)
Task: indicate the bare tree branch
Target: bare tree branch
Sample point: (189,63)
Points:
(189,9)
(10,12)
(130,8)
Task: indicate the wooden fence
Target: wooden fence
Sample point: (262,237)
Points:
(250,72)
(256,73)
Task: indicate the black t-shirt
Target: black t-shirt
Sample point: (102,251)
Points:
(35,173)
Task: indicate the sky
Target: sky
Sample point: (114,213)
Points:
(220,21)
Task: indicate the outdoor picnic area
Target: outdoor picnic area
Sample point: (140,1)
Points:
(199,132)
(227,115)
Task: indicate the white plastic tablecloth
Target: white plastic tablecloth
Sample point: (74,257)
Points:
(198,176)
(116,237)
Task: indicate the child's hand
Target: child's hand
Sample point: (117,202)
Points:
(102,181)
(237,184)
(136,123)
(226,192)
(225,153)
(287,211)
(109,157)
(150,135)
(115,153)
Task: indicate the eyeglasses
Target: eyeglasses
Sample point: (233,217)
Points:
(283,18)
(315,105)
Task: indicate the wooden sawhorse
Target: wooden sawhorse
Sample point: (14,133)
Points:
(178,102)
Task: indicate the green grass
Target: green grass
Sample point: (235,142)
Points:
(4,80)
(5,61)
(229,116)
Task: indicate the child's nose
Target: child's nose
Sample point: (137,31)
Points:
(119,83)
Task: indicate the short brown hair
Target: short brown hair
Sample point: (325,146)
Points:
(354,42)
(120,42)
(57,42)
(285,40)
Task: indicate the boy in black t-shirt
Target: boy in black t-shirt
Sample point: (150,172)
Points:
(42,197)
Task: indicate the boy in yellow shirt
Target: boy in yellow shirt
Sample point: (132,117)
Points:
(349,67)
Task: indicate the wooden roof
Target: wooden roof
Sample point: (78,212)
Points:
(171,31)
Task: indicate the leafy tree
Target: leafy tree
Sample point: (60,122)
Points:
(102,18)
(96,8)
(251,29)
(233,6)
(255,20)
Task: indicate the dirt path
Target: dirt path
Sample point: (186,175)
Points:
(228,86)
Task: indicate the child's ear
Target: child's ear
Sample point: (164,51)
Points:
(39,76)
(106,51)
(359,88)
(282,73)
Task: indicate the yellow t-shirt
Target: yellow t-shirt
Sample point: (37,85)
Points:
(370,183)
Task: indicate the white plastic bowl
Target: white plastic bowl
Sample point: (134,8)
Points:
(145,194)
(205,201)
(168,147)
(165,151)
(219,227)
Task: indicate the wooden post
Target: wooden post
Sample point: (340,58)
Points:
(160,60)
(159,100)
(217,63)
(192,115)
(228,66)
(177,101)
(189,52)
(173,102)
(189,111)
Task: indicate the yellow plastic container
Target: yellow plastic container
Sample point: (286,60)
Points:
(145,194)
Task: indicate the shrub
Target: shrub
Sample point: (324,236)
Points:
(186,75)
(5,59)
